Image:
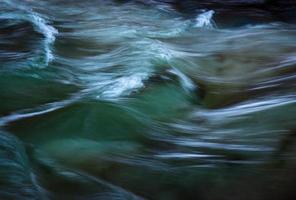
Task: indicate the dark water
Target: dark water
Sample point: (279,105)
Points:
(147,100)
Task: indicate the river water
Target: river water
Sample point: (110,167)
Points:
(146,100)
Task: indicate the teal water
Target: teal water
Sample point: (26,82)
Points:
(139,100)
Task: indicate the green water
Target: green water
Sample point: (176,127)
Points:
(133,100)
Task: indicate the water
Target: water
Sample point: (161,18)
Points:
(147,100)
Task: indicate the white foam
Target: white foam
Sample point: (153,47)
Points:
(247,108)
(122,86)
(185,81)
(205,20)
(49,33)
(40,25)
(178,155)
(28,113)
(213,145)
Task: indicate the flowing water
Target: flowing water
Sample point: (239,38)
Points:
(145,100)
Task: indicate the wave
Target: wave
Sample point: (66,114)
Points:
(205,20)
(49,33)
(41,110)
(248,108)
(138,53)
(20,181)
(22,176)
(147,92)
(20,13)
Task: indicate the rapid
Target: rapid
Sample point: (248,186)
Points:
(146,100)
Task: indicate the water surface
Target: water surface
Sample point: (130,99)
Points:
(147,100)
